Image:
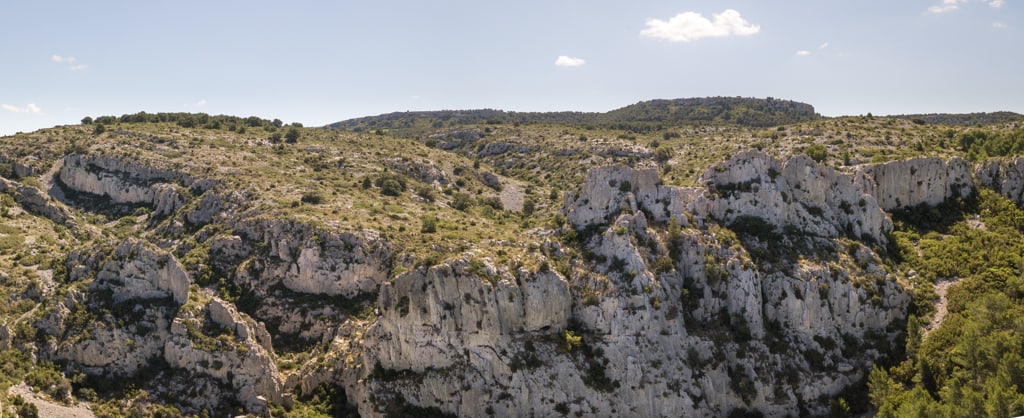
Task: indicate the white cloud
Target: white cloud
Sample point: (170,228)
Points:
(951,5)
(999,25)
(690,26)
(69,61)
(31,108)
(201,103)
(62,60)
(567,61)
(946,6)
(823,45)
(803,53)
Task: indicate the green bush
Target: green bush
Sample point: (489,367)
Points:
(817,152)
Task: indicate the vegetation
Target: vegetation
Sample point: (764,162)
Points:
(972,364)
(436,185)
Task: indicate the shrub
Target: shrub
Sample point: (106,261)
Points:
(817,152)
(460,201)
(292,136)
(313,198)
(429,224)
(390,184)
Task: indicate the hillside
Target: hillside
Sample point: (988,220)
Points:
(647,116)
(695,257)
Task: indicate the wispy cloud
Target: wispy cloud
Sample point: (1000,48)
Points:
(31,108)
(999,25)
(69,61)
(803,53)
(691,26)
(951,5)
(62,60)
(567,61)
(823,45)
(201,103)
(946,6)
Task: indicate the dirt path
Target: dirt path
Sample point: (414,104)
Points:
(49,408)
(941,287)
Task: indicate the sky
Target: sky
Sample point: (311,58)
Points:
(318,62)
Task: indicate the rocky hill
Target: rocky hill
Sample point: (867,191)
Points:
(176,264)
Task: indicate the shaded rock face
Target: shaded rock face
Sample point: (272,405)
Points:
(127,184)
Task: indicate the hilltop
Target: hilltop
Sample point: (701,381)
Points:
(653,115)
(712,257)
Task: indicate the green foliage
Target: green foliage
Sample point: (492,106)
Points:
(292,135)
(429,224)
(390,184)
(817,152)
(461,201)
(313,198)
(979,144)
(972,364)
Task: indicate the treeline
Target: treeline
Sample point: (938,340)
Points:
(979,144)
(964,119)
(190,120)
(642,117)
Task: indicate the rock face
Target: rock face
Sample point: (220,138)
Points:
(308,260)
(126,183)
(800,194)
(246,365)
(136,270)
(35,200)
(1004,176)
(479,306)
(464,328)
(928,181)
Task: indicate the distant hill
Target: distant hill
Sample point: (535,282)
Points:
(640,117)
(965,119)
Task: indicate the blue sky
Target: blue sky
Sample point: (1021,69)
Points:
(317,62)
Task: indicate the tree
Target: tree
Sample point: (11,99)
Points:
(99,129)
(292,136)
(87,120)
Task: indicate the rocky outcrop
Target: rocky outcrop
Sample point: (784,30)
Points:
(455,139)
(138,271)
(918,181)
(800,194)
(126,183)
(1004,176)
(425,171)
(463,323)
(240,360)
(312,260)
(35,200)
(430,316)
